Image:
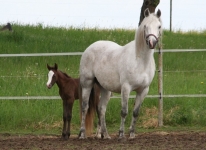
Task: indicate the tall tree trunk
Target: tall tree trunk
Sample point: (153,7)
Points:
(151,4)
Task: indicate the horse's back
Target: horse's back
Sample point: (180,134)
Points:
(102,47)
(99,61)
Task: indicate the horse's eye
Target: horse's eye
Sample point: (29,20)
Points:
(159,27)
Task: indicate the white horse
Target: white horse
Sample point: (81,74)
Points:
(120,69)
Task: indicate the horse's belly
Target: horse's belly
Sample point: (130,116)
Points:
(108,80)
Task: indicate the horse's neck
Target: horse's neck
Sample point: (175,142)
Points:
(143,53)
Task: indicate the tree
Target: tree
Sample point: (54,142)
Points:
(151,4)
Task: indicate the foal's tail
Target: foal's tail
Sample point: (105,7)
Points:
(93,104)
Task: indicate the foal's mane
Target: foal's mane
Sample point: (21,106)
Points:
(65,74)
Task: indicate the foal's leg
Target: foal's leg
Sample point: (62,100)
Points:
(105,96)
(70,103)
(139,99)
(67,115)
(64,129)
(125,91)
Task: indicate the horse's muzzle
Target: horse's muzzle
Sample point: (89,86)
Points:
(152,43)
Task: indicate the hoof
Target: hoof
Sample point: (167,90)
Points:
(121,135)
(82,138)
(98,136)
(65,136)
(131,136)
(82,135)
(122,139)
(105,136)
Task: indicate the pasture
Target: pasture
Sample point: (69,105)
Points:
(184,73)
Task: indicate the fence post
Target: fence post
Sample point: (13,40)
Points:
(160,88)
(170,15)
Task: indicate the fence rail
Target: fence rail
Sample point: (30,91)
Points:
(80,53)
(113,97)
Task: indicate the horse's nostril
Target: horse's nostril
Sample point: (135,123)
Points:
(150,43)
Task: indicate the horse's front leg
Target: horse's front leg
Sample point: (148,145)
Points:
(125,91)
(139,99)
(85,106)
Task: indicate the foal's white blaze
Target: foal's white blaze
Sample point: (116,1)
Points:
(50,75)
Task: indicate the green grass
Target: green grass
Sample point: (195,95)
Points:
(184,73)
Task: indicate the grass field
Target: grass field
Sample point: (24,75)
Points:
(184,73)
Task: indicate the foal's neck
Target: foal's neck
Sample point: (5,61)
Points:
(61,79)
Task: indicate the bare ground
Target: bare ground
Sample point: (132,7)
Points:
(148,141)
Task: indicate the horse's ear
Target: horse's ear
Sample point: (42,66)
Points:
(48,67)
(55,66)
(158,13)
(146,12)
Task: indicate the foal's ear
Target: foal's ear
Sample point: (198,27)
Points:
(146,12)
(55,66)
(48,67)
(158,13)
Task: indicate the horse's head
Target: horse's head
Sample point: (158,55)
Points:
(52,75)
(152,28)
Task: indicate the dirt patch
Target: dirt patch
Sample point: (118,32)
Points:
(156,140)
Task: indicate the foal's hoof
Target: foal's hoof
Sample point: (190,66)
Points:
(65,136)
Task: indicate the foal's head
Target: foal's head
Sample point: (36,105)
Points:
(52,75)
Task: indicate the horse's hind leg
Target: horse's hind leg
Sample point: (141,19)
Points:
(97,98)
(98,133)
(85,100)
(105,96)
